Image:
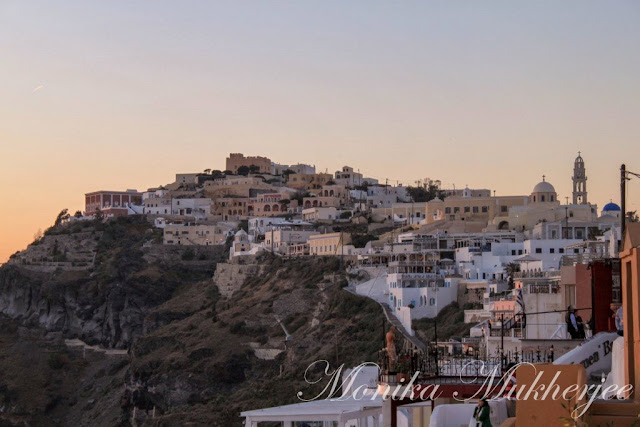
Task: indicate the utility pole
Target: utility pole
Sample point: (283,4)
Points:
(435,328)
(624,173)
(435,331)
(502,341)
(623,203)
(341,250)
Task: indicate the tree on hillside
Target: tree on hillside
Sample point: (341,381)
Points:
(299,196)
(511,269)
(62,217)
(286,173)
(244,170)
(284,204)
(425,193)
(632,216)
(254,169)
(78,214)
(207,171)
(99,215)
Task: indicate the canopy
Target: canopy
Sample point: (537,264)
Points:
(339,410)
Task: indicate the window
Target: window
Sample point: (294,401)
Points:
(475,209)
(561,250)
(485,209)
(552,251)
(503,208)
(432,301)
(513,252)
(456,209)
(542,198)
(576,251)
(467,209)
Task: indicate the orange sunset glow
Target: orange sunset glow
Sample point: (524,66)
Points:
(96,97)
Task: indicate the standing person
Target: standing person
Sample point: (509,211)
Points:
(581,333)
(391,348)
(482,414)
(619,322)
(572,323)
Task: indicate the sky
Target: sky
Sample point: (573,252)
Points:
(116,95)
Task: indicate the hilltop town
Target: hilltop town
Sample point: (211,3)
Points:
(461,272)
(422,247)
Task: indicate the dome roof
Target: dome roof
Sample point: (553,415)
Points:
(543,187)
(611,207)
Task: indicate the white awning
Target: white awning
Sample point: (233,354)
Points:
(338,410)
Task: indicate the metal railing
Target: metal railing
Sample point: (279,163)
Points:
(439,367)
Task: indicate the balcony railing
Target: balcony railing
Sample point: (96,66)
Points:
(436,366)
(536,274)
(451,369)
(546,288)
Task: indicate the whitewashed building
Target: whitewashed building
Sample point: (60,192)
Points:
(488,262)
(324,213)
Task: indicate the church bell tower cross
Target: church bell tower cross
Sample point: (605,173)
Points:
(579,182)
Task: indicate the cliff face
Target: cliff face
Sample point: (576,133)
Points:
(105,301)
(109,316)
(226,355)
(199,351)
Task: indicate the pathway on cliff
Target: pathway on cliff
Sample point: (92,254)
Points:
(75,343)
(417,342)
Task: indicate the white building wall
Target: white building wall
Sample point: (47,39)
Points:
(199,208)
(474,264)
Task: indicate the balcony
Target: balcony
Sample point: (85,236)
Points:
(543,288)
(537,274)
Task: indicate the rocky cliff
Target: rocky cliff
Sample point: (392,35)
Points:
(198,351)
(104,302)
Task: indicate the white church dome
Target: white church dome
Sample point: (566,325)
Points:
(543,187)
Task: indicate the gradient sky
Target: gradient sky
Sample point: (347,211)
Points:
(116,95)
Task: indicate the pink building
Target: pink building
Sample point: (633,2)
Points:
(111,203)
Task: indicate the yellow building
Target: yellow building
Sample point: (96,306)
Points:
(238,186)
(195,234)
(236,160)
(413,213)
(329,195)
(543,206)
(328,244)
(468,208)
(230,208)
(301,181)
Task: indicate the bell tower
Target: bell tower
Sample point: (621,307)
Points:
(579,182)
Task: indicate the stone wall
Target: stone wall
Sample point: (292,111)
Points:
(466,295)
(229,277)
